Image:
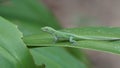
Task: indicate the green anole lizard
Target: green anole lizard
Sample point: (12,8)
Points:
(59,35)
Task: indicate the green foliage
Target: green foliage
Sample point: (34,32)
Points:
(109,46)
(25,13)
(55,57)
(13,53)
(38,49)
(30,16)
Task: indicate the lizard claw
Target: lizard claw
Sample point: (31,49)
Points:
(72,41)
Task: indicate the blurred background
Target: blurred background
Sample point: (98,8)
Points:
(74,13)
(69,13)
(86,12)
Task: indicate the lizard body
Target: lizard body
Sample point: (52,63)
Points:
(61,36)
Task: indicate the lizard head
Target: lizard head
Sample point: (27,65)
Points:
(48,29)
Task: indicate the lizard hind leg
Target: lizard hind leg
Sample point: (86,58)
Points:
(71,40)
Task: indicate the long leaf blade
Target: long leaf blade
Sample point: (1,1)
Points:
(109,46)
(12,48)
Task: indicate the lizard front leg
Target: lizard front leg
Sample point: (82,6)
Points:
(55,38)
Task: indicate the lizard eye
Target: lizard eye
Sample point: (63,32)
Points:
(46,29)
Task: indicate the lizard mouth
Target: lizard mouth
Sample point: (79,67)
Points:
(42,28)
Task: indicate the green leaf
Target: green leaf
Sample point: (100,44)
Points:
(109,46)
(55,57)
(32,18)
(32,11)
(36,39)
(13,52)
(80,55)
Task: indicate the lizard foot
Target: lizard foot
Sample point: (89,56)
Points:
(72,41)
